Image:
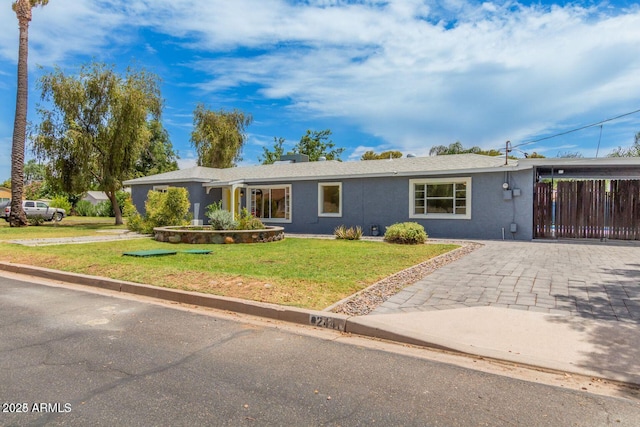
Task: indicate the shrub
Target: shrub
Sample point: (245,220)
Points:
(36,220)
(163,209)
(104,208)
(61,202)
(219,218)
(85,208)
(351,233)
(246,221)
(405,233)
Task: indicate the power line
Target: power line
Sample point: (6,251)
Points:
(577,129)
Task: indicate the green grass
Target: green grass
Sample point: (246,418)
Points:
(310,273)
(72,226)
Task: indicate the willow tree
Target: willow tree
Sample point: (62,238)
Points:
(218,137)
(96,128)
(22,8)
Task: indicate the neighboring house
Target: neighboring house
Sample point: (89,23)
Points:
(453,196)
(95,197)
(5,194)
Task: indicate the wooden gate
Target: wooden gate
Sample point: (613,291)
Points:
(588,209)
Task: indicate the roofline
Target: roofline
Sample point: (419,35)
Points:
(508,168)
(164,181)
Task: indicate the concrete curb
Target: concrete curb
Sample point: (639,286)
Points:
(271,311)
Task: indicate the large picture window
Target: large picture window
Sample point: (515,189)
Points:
(330,199)
(440,198)
(271,203)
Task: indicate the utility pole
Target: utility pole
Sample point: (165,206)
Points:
(507,150)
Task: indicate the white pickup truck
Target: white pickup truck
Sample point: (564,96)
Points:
(34,209)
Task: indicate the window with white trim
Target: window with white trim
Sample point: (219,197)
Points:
(330,199)
(160,188)
(271,203)
(447,198)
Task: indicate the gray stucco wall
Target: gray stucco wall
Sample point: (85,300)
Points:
(197,194)
(385,201)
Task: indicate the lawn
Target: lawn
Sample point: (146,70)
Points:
(310,273)
(72,226)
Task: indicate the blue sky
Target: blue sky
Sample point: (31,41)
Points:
(381,74)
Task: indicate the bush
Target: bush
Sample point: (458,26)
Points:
(246,221)
(410,233)
(104,208)
(36,220)
(61,202)
(343,233)
(85,208)
(219,218)
(163,209)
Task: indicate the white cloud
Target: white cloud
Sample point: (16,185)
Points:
(414,73)
(493,75)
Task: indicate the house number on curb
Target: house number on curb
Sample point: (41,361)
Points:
(326,322)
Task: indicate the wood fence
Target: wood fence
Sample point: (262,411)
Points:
(585,209)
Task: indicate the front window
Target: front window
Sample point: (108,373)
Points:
(330,199)
(440,198)
(271,203)
(161,188)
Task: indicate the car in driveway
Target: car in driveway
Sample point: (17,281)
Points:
(37,209)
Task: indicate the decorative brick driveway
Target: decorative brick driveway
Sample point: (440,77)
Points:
(591,279)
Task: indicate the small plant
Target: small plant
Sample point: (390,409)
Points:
(104,209)
(408,233)
(36,220)
(246,221)
(352,233)
(85,208)
(219,218)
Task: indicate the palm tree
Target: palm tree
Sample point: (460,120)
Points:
(22,8)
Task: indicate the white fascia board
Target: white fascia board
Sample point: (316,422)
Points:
(220,184)
(164,181)
(387,174)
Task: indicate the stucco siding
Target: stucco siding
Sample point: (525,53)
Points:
(380,202)
(197,194)
(384,201)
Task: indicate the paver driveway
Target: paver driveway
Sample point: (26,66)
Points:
(592,279)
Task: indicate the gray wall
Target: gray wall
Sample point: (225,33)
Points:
(385,201)
(197,194)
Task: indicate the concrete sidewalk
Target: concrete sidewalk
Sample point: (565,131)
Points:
(603,349)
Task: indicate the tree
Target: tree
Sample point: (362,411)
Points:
(218,137)
(269,157)
(96,129)
(458,148)
(33,171)
(534,155)
(158,156)
(570,155)
(22,8)
(372,155)
(633,151)
(316,144)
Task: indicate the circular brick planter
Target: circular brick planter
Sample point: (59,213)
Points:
(204,235)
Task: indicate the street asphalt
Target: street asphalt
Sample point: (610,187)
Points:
(571,306)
